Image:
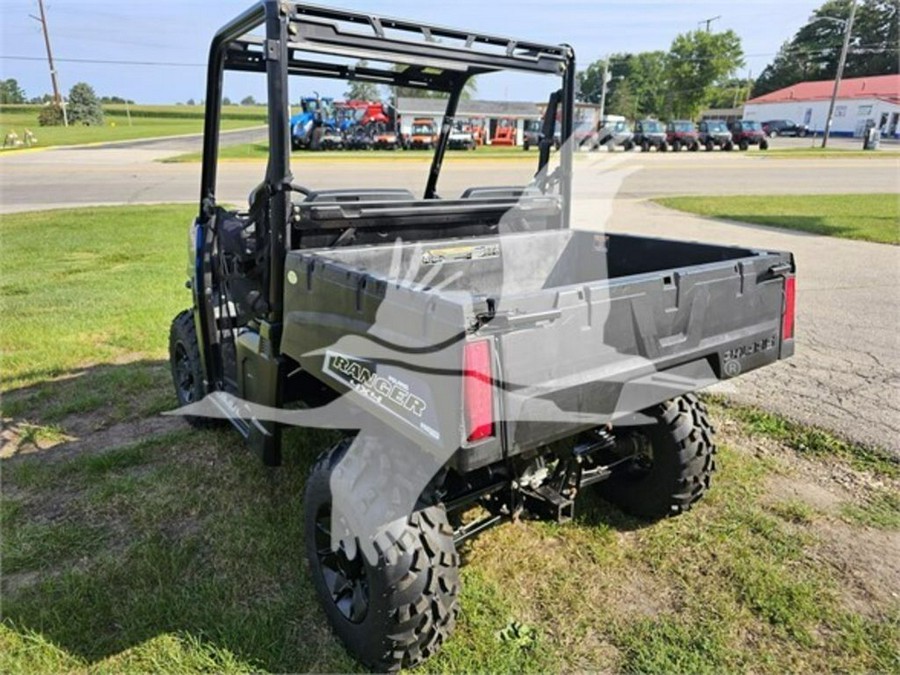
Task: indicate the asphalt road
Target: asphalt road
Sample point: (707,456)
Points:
(846,374)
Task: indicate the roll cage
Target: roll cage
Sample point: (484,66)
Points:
(282,39)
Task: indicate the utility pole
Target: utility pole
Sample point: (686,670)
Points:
(708,22)
(56,96)
(606,78)
(840,71)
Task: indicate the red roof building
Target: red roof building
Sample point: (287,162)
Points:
(861,102)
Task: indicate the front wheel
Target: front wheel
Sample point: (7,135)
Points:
(764,144)
(710,146)
(729,146)
(674,460)
(187,369)
(744,145)
(676,146)
(395,606)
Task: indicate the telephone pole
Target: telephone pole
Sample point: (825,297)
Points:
(708,22)
(56,95)
(848,29)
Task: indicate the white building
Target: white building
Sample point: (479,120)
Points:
(860,101)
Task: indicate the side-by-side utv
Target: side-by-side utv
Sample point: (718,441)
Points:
(476,349)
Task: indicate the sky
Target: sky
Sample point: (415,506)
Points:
(178,32)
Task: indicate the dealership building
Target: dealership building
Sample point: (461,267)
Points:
(860,102)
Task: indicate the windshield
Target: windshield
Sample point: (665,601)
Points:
(683,126)
(748,125)
(422,129)
(652,127)
(716,126)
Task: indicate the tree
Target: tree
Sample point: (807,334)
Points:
(84,106)
(361,91)
(225,101)
(730,93)
(11,92)
(248,100)
(623,101)
(697,61)
(51,115)
(814,51)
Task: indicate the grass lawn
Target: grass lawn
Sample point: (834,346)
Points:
(828,153)
(146,122)
(260,152)
(133,544)
(870,217)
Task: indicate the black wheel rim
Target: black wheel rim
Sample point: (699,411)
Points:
(184,374)
(345,578)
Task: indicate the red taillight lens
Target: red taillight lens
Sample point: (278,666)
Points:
(478,393)
(787,320)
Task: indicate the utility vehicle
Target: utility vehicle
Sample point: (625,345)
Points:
(713,134)
(650,134)
(423,134)
(682,134)
(746,133)
(476,349)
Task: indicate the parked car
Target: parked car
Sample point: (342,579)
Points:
(614,131)
(650,134)
(774,128)
(682,134)
(748,132)
(713,133)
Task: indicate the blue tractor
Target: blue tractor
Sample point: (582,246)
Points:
(314,127)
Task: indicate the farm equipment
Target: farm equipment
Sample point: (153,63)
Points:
(475,350)
(460,138)
(315,127)
(505,133)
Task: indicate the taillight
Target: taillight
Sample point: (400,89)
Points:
(787,320)
(478,392)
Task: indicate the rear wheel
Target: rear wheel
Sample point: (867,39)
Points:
(744,145)
(764,144)
(673,463)
(729,146)
(645,146)
(397,610)
(710,146)
(676,146)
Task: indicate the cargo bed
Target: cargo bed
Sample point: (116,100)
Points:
(580,323)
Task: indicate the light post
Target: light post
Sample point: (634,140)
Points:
(848,24)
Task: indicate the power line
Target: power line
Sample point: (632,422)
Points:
(108,62)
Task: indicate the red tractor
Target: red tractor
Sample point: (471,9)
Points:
(505,133)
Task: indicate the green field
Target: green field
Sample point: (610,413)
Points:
(869,217)
(260,152)
(146,122)
(132,544)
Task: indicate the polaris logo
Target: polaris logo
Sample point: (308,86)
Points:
(744,351)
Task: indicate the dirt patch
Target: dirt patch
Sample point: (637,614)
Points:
(868,560)
(83,436)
